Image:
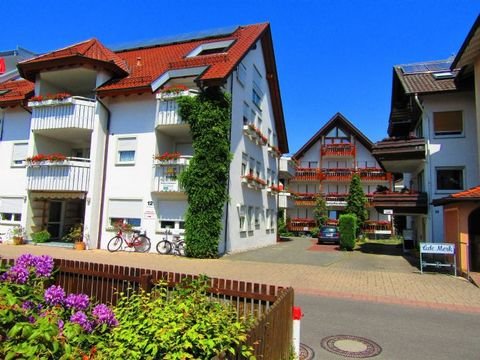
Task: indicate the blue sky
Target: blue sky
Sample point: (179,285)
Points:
(332,56)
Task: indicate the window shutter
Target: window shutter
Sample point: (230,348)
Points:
(127,144)
(123,208)
(19,152)
(11,205)
(172,210)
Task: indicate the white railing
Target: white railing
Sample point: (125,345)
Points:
(165,174)
(70,175)
(168,108)
(73,112)
(285,200)
(287,167)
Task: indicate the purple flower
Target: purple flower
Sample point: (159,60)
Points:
(27,260)
(54,295)
(77,301)
(44,266)
(60,323)
(18,274)
(81,319)
(27,305)
(31,319)
(104,315)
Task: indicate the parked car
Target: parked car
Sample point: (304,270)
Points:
(328,234)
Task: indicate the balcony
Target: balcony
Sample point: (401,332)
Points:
(335,200)
(285,200)
(167,115)
(287,168)
(374,175)
(299,225)
(73,112)
(165,174)
(338,150)
(401,202)
(337,175)
(307,174)
(305,199)
(377,229)
(72,174)
(402,155)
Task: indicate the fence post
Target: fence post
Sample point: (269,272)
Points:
(146,282)
(297,315)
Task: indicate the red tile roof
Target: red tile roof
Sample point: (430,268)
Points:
(422,83)
(472,194)
(155,61)
(17,90)
(87,51)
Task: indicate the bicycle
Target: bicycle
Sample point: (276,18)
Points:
(176,246)
(138,240)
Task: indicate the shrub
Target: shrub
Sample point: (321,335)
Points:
(347,225)
(41,236)
(185,324)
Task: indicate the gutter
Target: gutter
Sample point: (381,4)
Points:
(104,179)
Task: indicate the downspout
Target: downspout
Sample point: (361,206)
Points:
(104,179)
(225,240)
(427,155)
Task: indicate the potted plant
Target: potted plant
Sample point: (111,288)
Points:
(75,235)
(40,236)
(17,235)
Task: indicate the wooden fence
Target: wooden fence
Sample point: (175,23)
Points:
(271,336)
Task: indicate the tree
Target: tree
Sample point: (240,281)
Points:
(320,212)
(347,224)
(357,201)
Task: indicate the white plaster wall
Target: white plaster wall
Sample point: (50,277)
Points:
(132,116)
(451,151)
(241,194)
(16,129)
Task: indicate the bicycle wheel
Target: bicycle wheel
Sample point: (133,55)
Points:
(181,248)
(142,244)
(164,247)
(114,244)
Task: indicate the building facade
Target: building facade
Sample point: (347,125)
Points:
(325,166)
(104,142)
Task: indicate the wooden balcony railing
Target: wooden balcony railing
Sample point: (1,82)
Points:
(374,174)
(337,174)
(305,199)
(379,227)
(299,224)
(307,174)
(338,150)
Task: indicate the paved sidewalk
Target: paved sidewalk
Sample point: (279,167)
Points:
(342,275)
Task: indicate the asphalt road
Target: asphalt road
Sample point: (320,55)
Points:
(403,333)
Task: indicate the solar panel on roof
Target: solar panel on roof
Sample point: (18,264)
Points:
(431,66)
(176,38)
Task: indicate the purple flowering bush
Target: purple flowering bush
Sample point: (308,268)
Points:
(38,322)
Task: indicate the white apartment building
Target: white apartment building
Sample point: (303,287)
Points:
(432,144)
(325,166)
(95,122)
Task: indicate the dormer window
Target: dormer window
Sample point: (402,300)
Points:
(217,47)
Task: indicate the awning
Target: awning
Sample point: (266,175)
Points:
(58,195)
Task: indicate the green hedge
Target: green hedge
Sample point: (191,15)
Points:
(347,227)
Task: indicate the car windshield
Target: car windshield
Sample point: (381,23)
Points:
(329,229)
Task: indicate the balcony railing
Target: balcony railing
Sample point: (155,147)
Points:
(165,174)
(168,108)
(285,200)
(341,175)
(287,167)
(338,150)
(345,175)
(374,174)
(70,175)
(377,227)
(298,224)
(335,199)
(73,112)
(305,199)
(307,174)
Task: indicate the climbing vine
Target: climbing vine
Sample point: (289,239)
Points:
(205,179)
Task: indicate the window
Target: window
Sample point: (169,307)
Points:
(257,218)
(270,139)
(449,178)
(257,92)
(216,47)
(19,154)
(171,215)
(259,123)
(127,211)
(11,209)
(241,217)
(448,123)
(268,218)
(269,176)
(246,114)
(241,74)
(126,150)
(251,170)
(250,218)
(244,164)
(258,173)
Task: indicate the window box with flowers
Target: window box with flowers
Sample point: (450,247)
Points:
(42,159)
(175,91)
(17,235)
(50,100)
(274,189)
(168,158)
(260,183)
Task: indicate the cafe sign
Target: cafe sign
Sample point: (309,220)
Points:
(437,248)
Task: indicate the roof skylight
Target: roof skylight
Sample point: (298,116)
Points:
(444,75)
(216,47)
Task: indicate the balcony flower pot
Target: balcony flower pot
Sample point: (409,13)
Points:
(79,245)
(17,240)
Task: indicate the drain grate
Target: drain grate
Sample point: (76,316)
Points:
(351,346)
(306,352)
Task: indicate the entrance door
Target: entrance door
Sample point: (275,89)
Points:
(55,219)
(474,239)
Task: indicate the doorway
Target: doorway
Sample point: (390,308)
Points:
(474,239)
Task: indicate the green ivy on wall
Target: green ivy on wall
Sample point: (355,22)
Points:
(206,178)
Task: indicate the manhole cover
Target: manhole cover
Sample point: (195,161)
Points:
(306,352)
(351,346)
